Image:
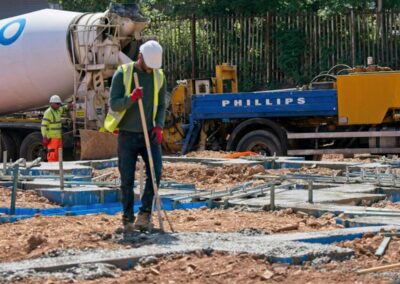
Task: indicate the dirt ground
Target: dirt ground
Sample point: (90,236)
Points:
(202,176)
(217,267)
(221,177)
(387,204)
(33,237)
(25,199)
(45,235)
(38,236)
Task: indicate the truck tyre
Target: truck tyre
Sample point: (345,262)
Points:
(260,141)
(7,144)
(16,138)
(32,148)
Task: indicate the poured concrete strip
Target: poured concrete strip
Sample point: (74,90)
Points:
(100,164)
(47,169)
(321,164)
(274,248)
(371,221)
(290,197)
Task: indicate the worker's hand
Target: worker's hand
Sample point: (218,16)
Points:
(45,141)
(71,106)
(137,94)
(157,135)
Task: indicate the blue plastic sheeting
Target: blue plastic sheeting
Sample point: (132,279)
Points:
(351,224)
(105,164)
(86,172)
(106,208)
(333,239)
(81,196)
(393,196)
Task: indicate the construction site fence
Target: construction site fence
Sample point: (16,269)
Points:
(272,50)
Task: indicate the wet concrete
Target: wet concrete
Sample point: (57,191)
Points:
(343,194)
(274,248)
(77,273)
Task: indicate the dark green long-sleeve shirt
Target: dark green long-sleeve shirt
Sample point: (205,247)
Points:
(118,101)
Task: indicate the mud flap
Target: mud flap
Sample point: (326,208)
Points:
(98,145)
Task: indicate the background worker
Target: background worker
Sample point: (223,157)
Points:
(124,100)
(52,128)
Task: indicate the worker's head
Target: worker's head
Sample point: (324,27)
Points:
(55,102)
(150,56)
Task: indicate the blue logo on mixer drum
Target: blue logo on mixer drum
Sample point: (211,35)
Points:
(6,38)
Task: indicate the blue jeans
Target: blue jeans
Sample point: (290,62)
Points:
(130,145)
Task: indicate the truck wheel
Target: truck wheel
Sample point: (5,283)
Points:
(32,148)
(7,144)
(16,138)
(260,141)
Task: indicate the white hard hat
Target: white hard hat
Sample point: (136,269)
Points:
(55,100)
(152,53)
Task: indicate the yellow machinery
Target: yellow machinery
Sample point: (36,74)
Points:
(180,104)
(368,98)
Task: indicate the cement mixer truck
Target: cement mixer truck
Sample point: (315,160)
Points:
(70,54)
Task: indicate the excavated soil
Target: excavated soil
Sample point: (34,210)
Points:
(208,154)
(38,236)
(217,267)
(366,246)
(225,268)
(31,238)
(202,176)
(386,204)
(221,177)
(25,199)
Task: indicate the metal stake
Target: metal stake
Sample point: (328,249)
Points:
(60,158)
(347,175)
(14,189)
(310,191)
(272,198)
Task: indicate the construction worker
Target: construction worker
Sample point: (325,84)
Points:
(125,115)
(51,127)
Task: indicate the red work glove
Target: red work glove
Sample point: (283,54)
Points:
(157,135)
(137,94)
(45,141)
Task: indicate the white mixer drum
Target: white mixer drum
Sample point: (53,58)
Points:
(34,59)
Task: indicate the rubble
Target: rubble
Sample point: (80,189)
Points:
(25,199)
(44,236)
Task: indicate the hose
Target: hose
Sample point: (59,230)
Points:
(343,66)
(318,77)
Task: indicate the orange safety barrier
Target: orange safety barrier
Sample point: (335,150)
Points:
(239,154)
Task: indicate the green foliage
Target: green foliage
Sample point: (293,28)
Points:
(257,7)
(291,47)
(229,7)
(83,5)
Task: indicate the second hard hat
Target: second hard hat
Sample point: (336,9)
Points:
(152,54)
(55,100)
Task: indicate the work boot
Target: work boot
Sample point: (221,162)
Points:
(142,221)
(128,225)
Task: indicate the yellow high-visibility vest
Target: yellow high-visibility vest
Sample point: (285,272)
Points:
(113,118)
(51,122)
